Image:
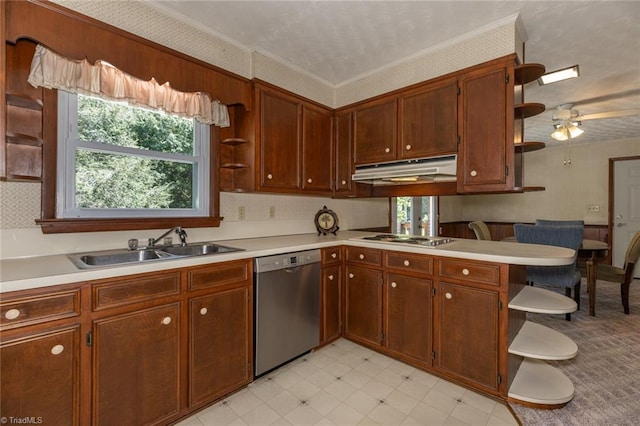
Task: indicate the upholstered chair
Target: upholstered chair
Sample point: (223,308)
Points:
(623,275)
(567,276)
(559,222)
(481,230)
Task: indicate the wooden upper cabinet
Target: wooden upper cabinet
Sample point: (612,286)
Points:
(375,131)
(295,143)
(343,129)
(317,149)
(485,126)
(279,132)
(428,120)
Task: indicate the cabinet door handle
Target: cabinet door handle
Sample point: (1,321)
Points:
(12,314)
(408,147)
(330,277)
(387,150)
(350,275)
(407,263)
(465,271)
(309,180)
(166,320)
(344,182)
(393,284)
(57,349)
(448,295)
(334,255)
(473,173)
(269,176)
(361,256)
(203,311)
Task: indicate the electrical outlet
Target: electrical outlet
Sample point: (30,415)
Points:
(593,208)
(272,212)
(241,213)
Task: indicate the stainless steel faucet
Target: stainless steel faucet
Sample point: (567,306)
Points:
(178,230)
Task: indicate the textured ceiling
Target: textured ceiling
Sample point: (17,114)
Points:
(339,41)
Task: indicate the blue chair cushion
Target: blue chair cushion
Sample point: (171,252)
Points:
(569,236)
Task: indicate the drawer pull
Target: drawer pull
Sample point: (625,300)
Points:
(12,314)
(166,320)
(350,275)
(203,311)
(407,263)
(393,284)
(57,349)
(465,271)
(361,256)
(334,255)
(448,295)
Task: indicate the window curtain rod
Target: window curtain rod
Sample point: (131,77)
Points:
(53,71)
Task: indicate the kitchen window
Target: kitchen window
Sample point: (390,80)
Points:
(415,215)
(116,160)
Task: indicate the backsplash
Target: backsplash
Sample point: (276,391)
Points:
(21,237)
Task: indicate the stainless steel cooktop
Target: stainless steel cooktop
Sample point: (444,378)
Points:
(409,239)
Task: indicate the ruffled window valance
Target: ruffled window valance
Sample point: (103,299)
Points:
(50,70)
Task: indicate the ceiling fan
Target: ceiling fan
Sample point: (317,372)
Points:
(567,120)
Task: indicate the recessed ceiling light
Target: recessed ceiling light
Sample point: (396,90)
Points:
(559,75)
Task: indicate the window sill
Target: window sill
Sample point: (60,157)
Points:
(61,226)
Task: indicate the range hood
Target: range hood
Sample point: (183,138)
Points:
(432,169)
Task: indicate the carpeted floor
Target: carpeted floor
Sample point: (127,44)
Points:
(606,371)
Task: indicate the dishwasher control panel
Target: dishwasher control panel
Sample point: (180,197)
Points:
(286,260)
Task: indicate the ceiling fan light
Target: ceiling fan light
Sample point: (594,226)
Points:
(559,75)
(560,134)
(575,131)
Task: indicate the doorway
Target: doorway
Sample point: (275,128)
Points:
(624,206)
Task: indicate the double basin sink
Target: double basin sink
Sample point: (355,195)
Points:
(117,257)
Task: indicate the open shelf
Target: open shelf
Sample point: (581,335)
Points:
(233,141)
(534,299)
(234,166)
(540,342)
(529,109)
(538,383)
(529,146)
(24,101)
(526,73)
(20,139)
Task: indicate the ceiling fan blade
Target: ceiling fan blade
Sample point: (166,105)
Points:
(609,114)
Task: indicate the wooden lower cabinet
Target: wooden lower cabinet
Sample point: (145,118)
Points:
(363,298)
(466,338)
(331,314)
(136,361)
(219,344)
(409,316)
(40,377)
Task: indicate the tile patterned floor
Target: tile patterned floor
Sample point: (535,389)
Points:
(345,384)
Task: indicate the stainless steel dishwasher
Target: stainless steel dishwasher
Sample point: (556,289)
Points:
(287,313)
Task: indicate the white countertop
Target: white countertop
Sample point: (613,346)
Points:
(42,271)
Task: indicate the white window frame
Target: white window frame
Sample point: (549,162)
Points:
(416,219)
(68,143)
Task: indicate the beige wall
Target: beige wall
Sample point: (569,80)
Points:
(570,188)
